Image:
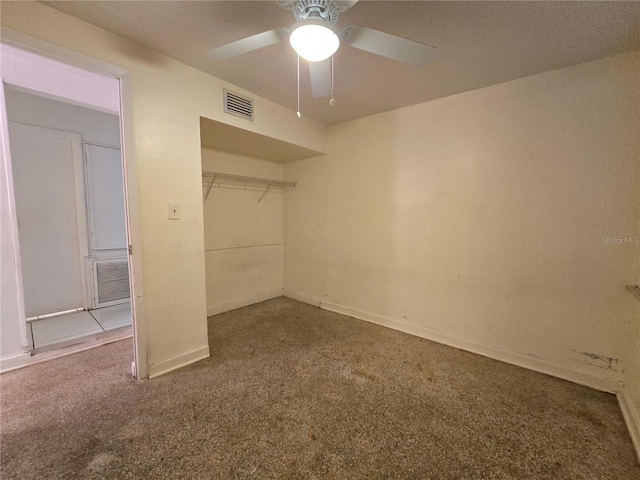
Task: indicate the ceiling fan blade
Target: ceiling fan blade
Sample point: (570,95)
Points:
(248,44)
(320,73)
(390,46)
(344,5)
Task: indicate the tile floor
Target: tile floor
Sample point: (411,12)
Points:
(65,329)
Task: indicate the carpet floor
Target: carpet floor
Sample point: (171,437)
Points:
(296,392)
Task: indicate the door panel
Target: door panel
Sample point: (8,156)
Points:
(49,209)
(106,197)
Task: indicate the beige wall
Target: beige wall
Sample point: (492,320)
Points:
(168,99)
(242,238)
(478,219)
(631,385)
(631,388)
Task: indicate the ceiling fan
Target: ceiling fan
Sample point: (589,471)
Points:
(315,38)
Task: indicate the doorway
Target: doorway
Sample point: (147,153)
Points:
(66,189)
(68,186)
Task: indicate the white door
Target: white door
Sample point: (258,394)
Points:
(106,198)
(107,225)
(50,206)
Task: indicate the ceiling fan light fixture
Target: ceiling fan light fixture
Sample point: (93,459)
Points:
(314,40)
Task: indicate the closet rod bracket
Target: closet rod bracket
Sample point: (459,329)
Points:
(266,191)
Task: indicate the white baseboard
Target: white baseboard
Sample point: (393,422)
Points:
(524,361)
(631,414)
(13,363)
(216,309)
(301,298)
(166,366)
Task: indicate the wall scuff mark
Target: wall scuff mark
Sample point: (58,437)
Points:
(600,360)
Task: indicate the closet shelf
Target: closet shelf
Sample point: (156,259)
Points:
(210,179)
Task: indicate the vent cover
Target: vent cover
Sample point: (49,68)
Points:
(238,105)
(112,281)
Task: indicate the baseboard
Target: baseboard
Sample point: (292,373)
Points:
(215,310)
(604,384)
(166,366)
(13,363)
(631,414)
(301,298)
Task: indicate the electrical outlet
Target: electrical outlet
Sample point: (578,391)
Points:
(174,211)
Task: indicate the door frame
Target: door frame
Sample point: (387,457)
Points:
(15,238)
(67,57)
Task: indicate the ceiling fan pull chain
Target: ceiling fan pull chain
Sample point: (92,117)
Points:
(332,102)
(298,86)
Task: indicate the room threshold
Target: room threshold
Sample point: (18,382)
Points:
(79,329)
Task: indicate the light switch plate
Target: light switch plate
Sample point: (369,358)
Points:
(174,211)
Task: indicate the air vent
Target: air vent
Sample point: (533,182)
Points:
(238,105)
(111,281)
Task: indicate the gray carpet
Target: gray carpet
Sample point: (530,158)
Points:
(295,392)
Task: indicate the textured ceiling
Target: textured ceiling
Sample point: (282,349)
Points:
(479,44)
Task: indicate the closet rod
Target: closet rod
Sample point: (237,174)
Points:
(218,178)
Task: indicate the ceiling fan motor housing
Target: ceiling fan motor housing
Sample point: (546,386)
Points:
(326,10)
